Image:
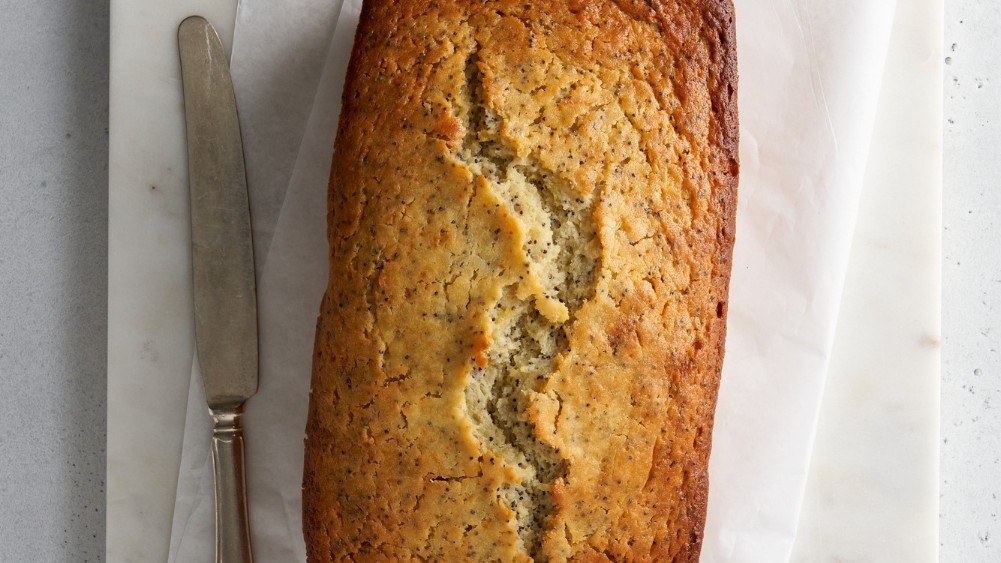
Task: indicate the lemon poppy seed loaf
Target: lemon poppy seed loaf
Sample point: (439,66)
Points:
(531,216)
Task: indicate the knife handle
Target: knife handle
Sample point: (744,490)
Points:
(232,524)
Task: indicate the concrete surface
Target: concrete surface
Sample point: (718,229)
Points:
(53,272)
(971,319)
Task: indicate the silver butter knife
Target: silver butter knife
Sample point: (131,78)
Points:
(223,270)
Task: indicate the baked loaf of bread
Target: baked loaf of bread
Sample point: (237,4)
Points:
(531,222)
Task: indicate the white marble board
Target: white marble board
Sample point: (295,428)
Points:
(150,341)
(150,338)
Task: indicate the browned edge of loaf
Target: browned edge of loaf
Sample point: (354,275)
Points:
(717,29)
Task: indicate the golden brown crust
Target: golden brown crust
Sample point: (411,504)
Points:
(460,120)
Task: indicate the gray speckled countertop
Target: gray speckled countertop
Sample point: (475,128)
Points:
(53,281)
(971,318)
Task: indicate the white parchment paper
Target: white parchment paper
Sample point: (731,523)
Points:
(809,77)
(279,52)
(810,73)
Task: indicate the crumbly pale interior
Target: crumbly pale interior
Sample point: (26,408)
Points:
(530,234)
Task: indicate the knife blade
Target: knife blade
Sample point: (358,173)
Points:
(225,294)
